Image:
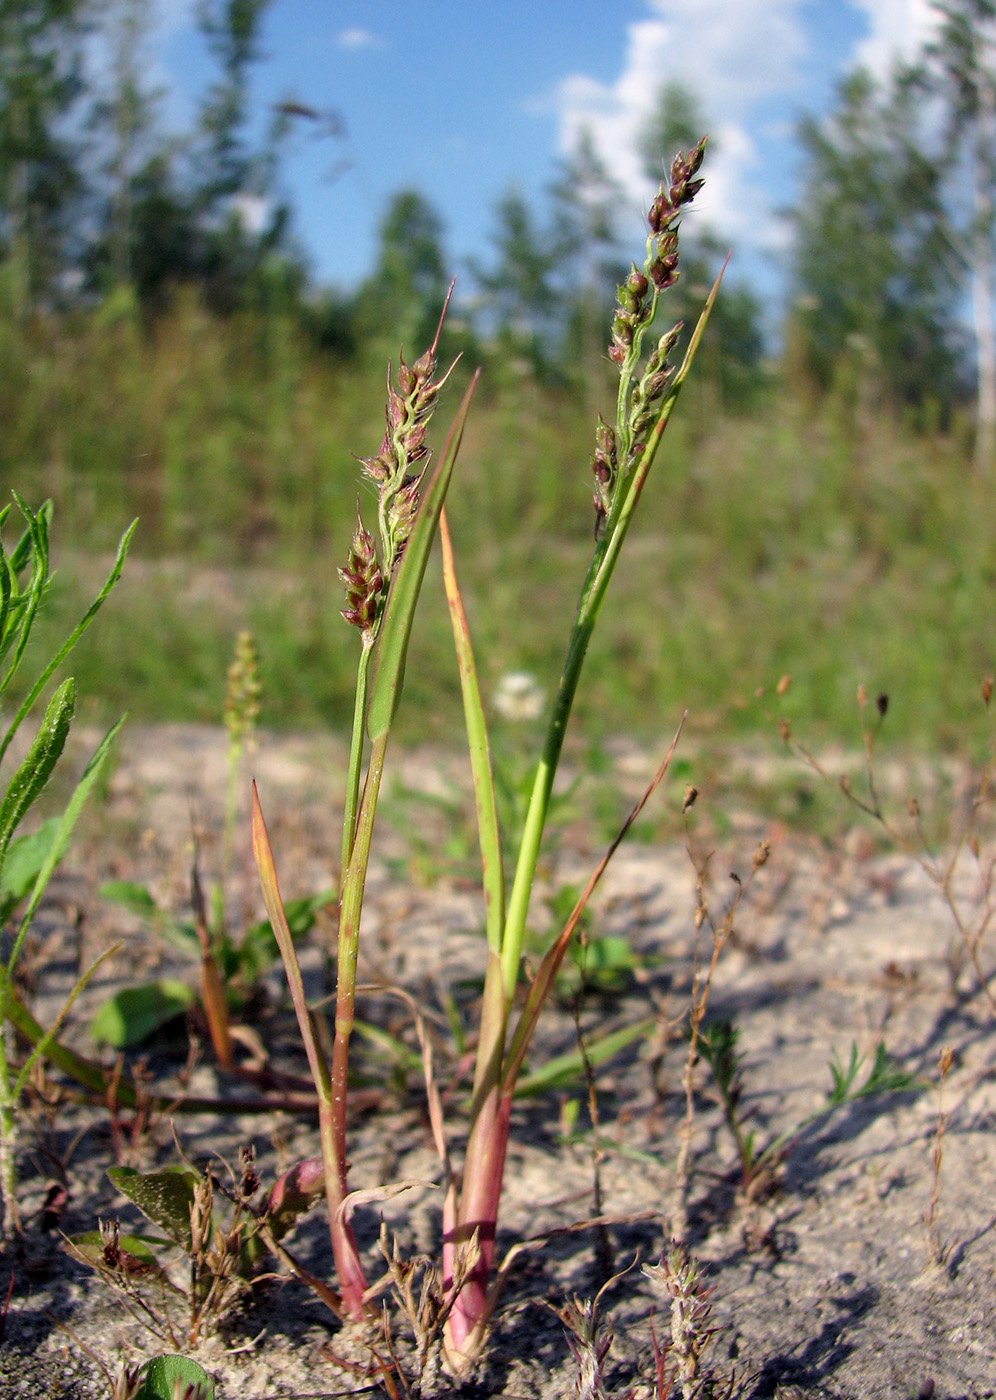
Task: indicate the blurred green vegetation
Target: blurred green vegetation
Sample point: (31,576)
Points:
(796,536)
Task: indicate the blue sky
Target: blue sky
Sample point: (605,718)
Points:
(462,99)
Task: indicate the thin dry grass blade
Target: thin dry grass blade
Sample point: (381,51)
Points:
(263,856)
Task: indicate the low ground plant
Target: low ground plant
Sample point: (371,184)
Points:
(217,1239)
(383,578)
(954,846)
(758,1160)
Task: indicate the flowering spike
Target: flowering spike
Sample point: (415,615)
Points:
(364,581)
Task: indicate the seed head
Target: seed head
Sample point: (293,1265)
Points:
(603,465)
(364,581)
(691,1309)
(242,695)
(761,854)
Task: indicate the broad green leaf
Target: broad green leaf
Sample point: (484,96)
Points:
(134,1013)
(25,857)
(36,769)
(165,1197)
(607,961)
(258,951)
(131,896)
(166,1377)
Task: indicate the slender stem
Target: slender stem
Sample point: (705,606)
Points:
(595,585)
(350,909)
(539,802)
(356,752)
(8,1136)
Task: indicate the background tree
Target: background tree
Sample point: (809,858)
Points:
(241,224)
(730,360)
(676,123)
(518,295)
(403,297)
(873,276)
(962,72)
(137,164)
(587,202)
(40,82)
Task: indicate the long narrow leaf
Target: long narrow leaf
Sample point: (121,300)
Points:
(592,594)
(477,739)
(74,636)
(399,613)
(567,1068)
(36,768)
(42,1048)
(58,848)
(34,545)
(6,587)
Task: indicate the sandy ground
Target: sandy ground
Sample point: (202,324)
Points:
(826,1285)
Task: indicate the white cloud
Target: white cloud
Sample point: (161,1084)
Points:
(897,29)
(253,211)
(357,39)
(732,54)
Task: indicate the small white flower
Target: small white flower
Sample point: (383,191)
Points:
(518,696)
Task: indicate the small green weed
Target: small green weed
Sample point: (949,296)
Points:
(759,1164)
(225,1248)
(164,1378)
(27,862)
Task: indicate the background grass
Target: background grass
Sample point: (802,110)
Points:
(802,537)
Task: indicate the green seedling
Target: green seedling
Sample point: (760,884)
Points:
(28,861)
(224,1240)
(383,578)
(164,1378)
(231,965)
(717,1044)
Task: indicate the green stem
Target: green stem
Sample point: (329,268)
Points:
(350,910)
(8,1140)
(595,585)
(356,752)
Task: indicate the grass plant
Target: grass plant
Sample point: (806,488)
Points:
(383,578)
